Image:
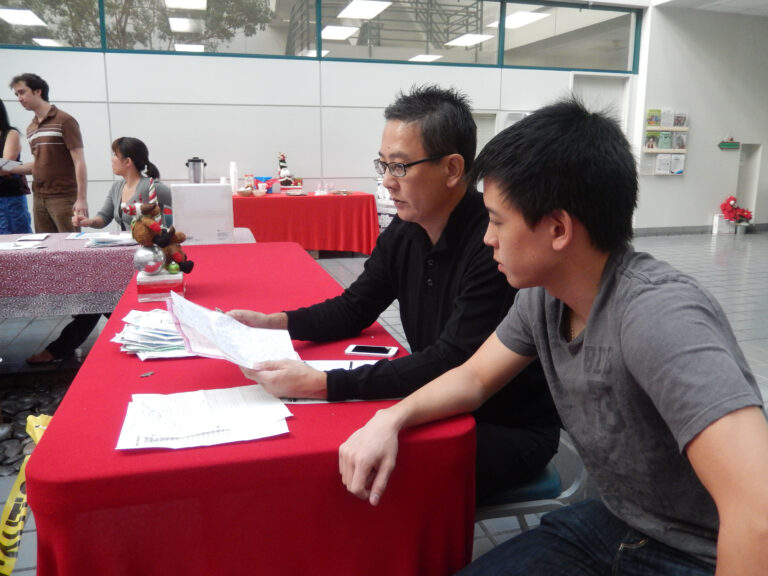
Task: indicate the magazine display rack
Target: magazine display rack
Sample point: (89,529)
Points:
(665,142)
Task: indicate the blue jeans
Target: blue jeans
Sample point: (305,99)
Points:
(14,215)
(585,539)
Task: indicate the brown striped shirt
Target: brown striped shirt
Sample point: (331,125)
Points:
(51,140)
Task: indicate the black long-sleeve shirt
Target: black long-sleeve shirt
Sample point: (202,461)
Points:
(451,297)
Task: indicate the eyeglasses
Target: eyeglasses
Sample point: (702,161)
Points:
(397,169)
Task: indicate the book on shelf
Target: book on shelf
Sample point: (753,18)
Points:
(677,163)
(663,164)
(667,117)
(681,119)
(651,140)
(679,140)
(653,117)
(665,140)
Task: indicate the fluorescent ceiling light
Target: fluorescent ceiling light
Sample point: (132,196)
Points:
(187,4)
(338,32)
(519,19)
(469,40)
(363,9)
(185,24)
(20,17)
(189,47)
(425,58)
(47,42)
(312,53)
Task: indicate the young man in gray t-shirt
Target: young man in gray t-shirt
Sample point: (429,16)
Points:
(642,364)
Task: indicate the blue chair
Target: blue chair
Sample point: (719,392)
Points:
(542,494)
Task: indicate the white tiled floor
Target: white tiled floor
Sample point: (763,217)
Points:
(734,269)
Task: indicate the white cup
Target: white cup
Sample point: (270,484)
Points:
(263,186)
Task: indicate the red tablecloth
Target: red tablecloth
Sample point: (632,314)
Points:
(274,506)
(331,222)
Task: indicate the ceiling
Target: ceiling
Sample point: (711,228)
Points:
(744,7)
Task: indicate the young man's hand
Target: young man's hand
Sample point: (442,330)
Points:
(367,458)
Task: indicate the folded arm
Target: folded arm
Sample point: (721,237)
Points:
(367,458)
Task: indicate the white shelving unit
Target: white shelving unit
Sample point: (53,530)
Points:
(663,154)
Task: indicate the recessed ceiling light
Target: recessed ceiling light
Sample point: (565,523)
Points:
(189,47)
(469,40)
(47,42)
(338,32)
(425,58)
(20,17)
(187,4)
(363,9)
(312,53)
(519,19)
(185,24)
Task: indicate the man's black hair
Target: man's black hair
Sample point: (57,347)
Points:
(564,157)
(447,126)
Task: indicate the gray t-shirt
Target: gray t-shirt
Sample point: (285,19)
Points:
(656,364)
(111,209)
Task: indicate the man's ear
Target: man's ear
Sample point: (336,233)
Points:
(455,169)
(561,226)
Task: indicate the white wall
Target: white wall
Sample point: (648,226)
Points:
(327,116)
(712,65)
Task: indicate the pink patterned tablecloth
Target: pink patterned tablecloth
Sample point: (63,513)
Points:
(64,277)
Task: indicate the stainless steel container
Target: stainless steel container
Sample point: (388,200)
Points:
(196,169)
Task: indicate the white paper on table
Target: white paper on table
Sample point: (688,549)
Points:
(32,237)
(202,418)
(19,245)
(216,335)
(326,365)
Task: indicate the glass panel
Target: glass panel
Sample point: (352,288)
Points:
(65,23)
(558,37)
(211,26)
(453,31)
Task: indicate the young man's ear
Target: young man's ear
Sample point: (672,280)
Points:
(561,224)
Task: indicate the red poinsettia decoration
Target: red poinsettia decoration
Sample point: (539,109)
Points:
(732,212)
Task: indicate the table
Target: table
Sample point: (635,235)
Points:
(64,277)
(274,506)
(330,222)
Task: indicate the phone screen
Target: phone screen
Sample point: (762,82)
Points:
(371,349)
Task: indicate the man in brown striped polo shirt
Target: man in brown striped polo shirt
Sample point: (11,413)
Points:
(59,176)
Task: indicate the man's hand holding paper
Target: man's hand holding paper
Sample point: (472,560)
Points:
(289,379)
(217,335)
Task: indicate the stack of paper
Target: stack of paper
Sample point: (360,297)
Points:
(101,239)
(202,418)
(151,335)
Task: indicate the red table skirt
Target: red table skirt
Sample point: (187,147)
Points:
(347,223)
(274,506)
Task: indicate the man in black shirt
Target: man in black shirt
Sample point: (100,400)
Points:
(432,259)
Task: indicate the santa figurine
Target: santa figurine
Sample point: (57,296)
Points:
(284,174)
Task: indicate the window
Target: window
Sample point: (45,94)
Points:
(534,34)
(546,36)
(454,31)
(51,23)
(209,26)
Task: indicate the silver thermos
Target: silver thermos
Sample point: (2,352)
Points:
(196,170)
